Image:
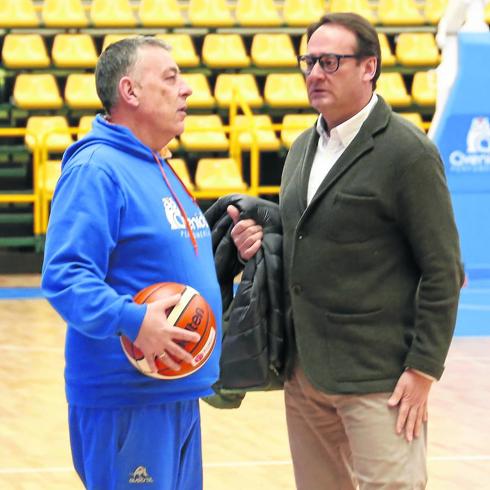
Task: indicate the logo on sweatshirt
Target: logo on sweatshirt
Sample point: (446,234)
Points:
(197,222)
(173,214)
(140,475)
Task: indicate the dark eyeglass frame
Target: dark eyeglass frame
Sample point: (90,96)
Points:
(318,59)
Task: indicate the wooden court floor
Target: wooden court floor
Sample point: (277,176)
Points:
(244,449)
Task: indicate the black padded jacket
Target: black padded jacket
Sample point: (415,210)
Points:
(253,348)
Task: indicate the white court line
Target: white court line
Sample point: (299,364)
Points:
(17,471)
(234,464)
(23,348)
(468,358)
(476,457)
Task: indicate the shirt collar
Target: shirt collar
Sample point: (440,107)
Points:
(348,130)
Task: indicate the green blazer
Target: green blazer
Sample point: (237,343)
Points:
(372,265)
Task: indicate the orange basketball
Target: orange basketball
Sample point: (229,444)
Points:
(193,313)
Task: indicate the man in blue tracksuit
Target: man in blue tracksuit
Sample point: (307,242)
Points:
(120,221)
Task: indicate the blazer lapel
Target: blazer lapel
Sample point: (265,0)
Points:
(362,143)
(304,167)
(351,155)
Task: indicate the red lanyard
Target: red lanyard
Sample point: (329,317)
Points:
(176,199)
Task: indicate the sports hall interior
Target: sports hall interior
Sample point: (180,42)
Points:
(249,103)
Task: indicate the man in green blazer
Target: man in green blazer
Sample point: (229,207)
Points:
(373,273)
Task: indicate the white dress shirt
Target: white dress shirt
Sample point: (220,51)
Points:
(331,146)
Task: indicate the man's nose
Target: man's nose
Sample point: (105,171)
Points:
(185,90)
(317,70)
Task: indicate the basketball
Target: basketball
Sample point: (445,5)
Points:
(193,313)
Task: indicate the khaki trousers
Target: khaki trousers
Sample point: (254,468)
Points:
(345,442)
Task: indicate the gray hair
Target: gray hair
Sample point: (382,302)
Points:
(115,62)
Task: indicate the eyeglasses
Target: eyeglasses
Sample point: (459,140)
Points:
(329,62)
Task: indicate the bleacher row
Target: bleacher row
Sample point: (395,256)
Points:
(31,90)
(281,90)
(209,13)
(267,50)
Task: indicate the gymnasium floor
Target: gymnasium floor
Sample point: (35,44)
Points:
(244,449)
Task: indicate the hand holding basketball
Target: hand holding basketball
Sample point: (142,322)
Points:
(157,336)
(178,333)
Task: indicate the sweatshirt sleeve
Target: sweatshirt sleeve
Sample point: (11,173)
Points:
(427,219)
(82,233)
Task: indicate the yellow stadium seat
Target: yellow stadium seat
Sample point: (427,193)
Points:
(36,91)
(399,12)
(48,175)
(293,125)
(212,139)
(173,144)
(266,137)
(392,88)
(85,125)
(80,91)
(63,13)
(112,13)
(114,38)
(301,13)
(58,138)
(210,13)
(224,51)
(361,7)
(52,173)
(257,13)
(219,174)
(74,51)
(417,49)
(433,10)
(201,97)
(415,118)
(424,88)
(183,51)
(180,168)
(273,50)
(286,90)
(387,56)
(18,13)
(160,13)
(24,51)
(244,83)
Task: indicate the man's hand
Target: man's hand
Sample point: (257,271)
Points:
(157,338)
(246,234)
(411,394)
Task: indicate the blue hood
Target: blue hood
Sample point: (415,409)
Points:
(114,135)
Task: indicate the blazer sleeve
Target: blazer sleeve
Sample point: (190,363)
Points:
(426,217)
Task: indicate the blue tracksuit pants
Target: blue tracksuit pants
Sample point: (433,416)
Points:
(157,447)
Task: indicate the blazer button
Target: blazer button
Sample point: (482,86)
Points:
(297,289)
(300,237)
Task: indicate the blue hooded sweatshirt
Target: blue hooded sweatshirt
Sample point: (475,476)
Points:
(114,229)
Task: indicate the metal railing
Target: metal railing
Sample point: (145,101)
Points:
(30,195)
(42,193)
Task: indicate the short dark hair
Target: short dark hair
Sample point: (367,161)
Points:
(116,61)
(366,35)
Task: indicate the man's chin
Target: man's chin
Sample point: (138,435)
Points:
(320,104)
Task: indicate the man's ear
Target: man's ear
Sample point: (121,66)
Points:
(126,91)
(371,65)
